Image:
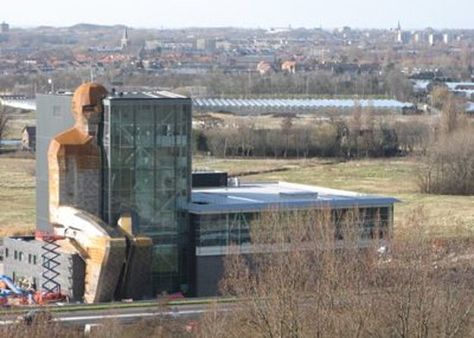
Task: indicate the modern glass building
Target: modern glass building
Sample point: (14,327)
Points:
(147,174)
(225,216)
(146,144)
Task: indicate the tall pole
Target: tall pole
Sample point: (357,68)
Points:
(50,81)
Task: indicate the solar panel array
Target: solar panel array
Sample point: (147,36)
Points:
(26,104)
(278,105)
(248,106)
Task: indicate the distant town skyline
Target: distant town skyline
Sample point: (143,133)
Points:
(416,14)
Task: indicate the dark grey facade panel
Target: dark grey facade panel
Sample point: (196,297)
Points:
(209,179)
(209,271)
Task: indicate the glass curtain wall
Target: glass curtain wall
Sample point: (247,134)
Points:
(148,176)
(227,229)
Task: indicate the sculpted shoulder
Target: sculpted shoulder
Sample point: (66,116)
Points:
(72,136)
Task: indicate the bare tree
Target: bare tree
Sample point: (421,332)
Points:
(449,165)
(453,109)
(439,95)
(286,126)
(355,128)
(300,281)
(3,122)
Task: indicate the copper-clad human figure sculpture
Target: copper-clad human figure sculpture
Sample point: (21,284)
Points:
(75,165)
(74,156)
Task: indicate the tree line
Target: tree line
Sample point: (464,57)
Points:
(356,137)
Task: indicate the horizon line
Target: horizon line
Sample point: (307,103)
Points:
(288,27)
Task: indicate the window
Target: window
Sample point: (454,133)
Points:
(165,129)
(127,116)
(165,258)
(6,252)
(15,255)
(56,111)
(145,135)
(20,256)
(29,258)
(34,259)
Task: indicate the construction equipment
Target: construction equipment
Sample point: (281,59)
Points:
(12,294)
(50,261)
(10,285)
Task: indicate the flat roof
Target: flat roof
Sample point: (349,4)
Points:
(254,197)
(144,95)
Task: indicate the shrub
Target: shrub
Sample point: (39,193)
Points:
(312,289)
(449,165)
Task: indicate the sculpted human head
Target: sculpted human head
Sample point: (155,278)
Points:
(87,106)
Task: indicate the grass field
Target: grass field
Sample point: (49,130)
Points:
(18,120)
(17,196)
(445,215)
(298,121)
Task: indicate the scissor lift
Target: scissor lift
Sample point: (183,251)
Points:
(50,262)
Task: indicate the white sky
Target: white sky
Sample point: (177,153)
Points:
(242,13)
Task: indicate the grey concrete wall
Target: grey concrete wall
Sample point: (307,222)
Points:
(71,266)
(53,116)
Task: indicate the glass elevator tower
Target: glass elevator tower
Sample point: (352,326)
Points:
(147,174)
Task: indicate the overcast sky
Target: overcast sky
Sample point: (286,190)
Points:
(242,13)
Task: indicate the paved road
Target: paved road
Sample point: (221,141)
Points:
(82,317)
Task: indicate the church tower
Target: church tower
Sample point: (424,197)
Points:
(124,42)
